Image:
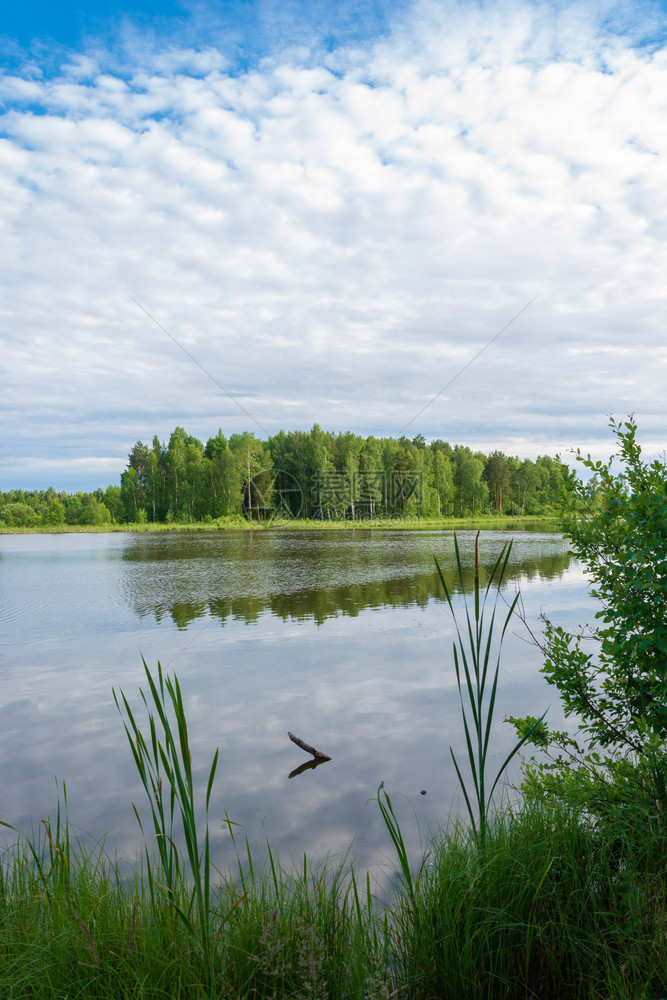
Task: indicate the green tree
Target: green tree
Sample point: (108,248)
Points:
(129,493)
(409,475)
(95,512)
(497,473)
(372,479)
(347,452)
(473,492)
(138,460)
(155,476)
(525,486)
(114,501)
(255,472)
(403,463)
(613,676)
(183,459)
(443,480)
(317,463)
(291,458)
(193,485)
(618,528)
(223,486)
(288,458)
(20,515)
(73,507)
(550,474)
(54,515)
(175,463)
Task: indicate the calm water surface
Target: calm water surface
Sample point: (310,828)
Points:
(341,637)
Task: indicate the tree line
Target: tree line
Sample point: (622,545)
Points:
(312,474)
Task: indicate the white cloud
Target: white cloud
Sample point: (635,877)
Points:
(334,238)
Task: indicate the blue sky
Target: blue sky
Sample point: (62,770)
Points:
(244,30)
(333,209)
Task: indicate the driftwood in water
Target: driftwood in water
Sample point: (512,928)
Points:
(307,747)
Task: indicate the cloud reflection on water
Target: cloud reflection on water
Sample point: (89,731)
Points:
(339,638)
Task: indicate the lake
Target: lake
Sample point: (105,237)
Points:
(341,637)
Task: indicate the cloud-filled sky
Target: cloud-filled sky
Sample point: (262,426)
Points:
(332,208)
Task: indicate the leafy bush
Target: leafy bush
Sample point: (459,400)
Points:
(613,676)
(19,515)
(95,512)
(54,515)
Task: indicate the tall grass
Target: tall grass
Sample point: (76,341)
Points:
(165,768)
(477,684)
(540,911)
(87,930)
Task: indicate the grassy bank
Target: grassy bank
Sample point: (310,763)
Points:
(546,909)
(232,524)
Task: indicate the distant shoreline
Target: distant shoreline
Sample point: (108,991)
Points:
(383,524)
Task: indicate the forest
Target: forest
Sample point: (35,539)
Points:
(312,474)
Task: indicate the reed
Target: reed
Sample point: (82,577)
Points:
(165,768)
(477,679)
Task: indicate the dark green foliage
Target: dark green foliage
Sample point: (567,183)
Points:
(340,477)
(617,526)
(94,512)
(613,677)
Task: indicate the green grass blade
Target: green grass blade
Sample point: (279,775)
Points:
(465,792)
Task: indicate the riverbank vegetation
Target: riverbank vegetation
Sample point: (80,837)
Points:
(612,676)
(549,907)
(238,523)
(558,892)
(315,475)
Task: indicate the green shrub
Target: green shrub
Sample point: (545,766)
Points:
(20,515)
(54,515)
(612,677)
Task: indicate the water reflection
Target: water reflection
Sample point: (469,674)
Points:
(313,575)
(349,645)
(308,765)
